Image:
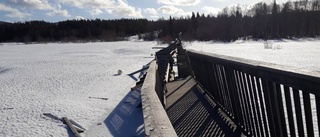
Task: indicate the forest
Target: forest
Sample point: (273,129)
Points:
(293,19)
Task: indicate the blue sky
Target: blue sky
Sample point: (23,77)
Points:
(58,10)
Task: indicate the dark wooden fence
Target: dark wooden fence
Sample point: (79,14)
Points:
(164,60)
(264,99)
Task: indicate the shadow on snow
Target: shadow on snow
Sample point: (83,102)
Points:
(127,119)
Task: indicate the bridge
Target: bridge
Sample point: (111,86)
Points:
(215,95)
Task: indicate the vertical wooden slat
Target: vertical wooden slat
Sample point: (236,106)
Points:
(202,69)
(233,94)
(297,105)
(217,82)
(226,94)
(209,78)
(222,88)
(278,113)
(308,113)
(213,83)
(250,103)
(244,107)
(238,91)
(266,90)
(228,88)
(206,79)
(264,127)
(258,118)
(246,102)
(224,91)
(289,111)
(255,106)
(242,100)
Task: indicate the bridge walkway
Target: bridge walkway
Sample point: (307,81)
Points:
(192,111)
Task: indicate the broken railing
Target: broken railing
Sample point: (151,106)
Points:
(264,99)
(156,121)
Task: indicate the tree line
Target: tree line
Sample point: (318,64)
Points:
(263,21)
(289,20)
(71,30)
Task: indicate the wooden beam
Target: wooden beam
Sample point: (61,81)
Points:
(79,128)
(73,129)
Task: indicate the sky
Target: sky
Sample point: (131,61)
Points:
(59,10)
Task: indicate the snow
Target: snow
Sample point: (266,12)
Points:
(67,80)
(302,53)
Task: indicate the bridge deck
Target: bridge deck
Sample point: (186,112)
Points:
(192,112)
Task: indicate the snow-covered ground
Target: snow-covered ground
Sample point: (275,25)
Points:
(302,53)
(69,80)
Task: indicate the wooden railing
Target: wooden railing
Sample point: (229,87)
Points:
(264,99)
(164,59)
(156,121)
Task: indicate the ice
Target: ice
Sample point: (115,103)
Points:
(59,78)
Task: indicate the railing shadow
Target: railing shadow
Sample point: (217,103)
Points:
(127,118)
(70,134)
(193,114)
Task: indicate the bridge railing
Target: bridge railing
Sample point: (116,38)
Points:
(264,99)
(156,121)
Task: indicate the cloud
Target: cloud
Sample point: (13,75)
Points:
(95,12)
(210,10)
(123,9)
(155,17)
(59,12)
(179,2)
(89,4)
(96,7)
(32,4)
(14,13)
(151,11)
(173,11)
(54,10)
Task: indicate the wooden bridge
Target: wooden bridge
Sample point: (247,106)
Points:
(215,95)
